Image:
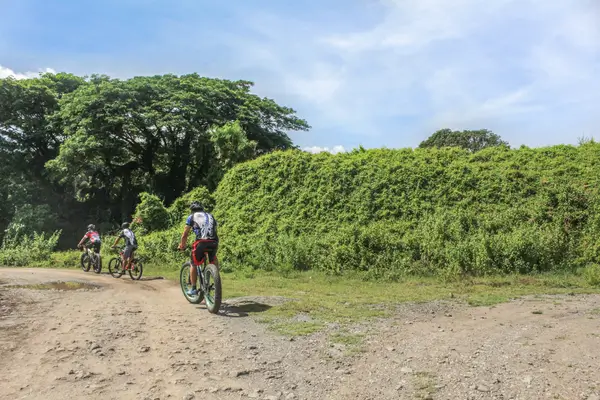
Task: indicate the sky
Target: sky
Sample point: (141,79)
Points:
(376,73)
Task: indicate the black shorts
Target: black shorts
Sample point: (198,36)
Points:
(95,246)
(201,246)
(128,251)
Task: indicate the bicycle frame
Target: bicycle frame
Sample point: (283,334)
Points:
(93,256)
(200,270)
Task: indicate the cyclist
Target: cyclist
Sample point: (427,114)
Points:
(204,226)
(93,237)
(131,244)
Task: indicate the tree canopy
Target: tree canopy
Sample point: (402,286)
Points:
(90,145)
(469,140)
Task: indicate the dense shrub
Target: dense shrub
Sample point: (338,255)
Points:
(24,250)
(442,212)
(150,214)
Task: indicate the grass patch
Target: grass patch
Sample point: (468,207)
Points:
(424,383)
(352,342)
(296,328)
(347,300)
(347,339)
(69,285)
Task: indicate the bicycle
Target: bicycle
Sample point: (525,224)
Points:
(115,267)
(205,272)
(89,258)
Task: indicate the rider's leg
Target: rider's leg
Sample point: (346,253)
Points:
(193,291)
(130,261)
(127,252)
(193,276)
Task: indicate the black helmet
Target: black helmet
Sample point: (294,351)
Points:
(91,227)
(125,225)
(196,206)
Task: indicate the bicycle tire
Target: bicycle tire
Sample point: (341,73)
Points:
(139,271)
(213,303)
(85,262)
(98,264)
(114,267)
(184,282)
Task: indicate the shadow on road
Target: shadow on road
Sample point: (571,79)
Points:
(240,310)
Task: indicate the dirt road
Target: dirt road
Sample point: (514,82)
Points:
(120,339)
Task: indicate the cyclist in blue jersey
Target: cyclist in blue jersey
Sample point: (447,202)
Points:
(204,226)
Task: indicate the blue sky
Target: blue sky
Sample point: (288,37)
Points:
(371,72)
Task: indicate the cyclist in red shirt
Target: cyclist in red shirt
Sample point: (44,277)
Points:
(93,237)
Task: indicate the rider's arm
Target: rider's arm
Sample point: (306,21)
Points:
(184,237)
(116,241)
(82,240)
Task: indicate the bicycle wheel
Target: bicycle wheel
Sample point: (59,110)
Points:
(85,262)
(97,264)
(184,281)
(136,272)
(213,294)
(114,267)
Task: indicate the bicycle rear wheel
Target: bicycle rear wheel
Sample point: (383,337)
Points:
(115,268)
(213,294)
(85,262)
(98,264)
(136,272)
(185,283)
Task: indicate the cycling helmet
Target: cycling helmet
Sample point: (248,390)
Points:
(125,225)
(196,206)
(91,227)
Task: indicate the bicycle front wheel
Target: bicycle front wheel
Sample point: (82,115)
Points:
(186,284)
(114,267)
(136,272)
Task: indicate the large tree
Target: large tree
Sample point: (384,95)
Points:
(29,137)
(154,134)
(469,140)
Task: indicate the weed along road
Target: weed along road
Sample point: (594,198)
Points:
(65,334)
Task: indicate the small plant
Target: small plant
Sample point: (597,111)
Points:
(592,274)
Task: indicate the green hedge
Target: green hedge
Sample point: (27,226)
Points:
(425,211)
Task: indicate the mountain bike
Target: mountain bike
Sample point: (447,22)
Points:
(90,258)
(208,284)
(116,269)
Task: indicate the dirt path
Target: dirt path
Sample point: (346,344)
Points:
(141,340)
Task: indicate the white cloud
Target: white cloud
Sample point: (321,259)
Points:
(317,149)
(410,25)
(6,72)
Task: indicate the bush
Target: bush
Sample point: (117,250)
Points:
(24,250)
(442,212)
(150,214)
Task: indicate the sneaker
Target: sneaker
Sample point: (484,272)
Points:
(192,292)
